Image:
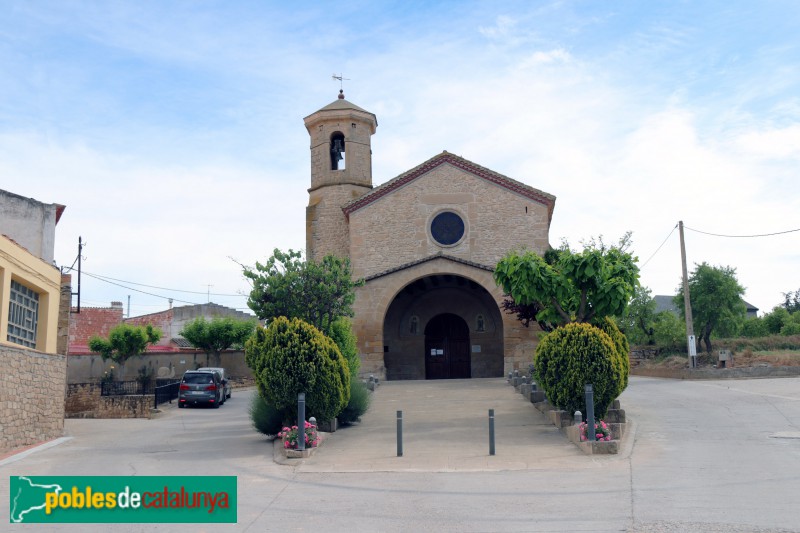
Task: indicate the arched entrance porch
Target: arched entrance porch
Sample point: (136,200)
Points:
(443,326)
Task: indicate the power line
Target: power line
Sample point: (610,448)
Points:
(105,278)
(742,236)
(659,248)
(143,292)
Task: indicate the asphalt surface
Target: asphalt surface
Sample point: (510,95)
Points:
(700,456)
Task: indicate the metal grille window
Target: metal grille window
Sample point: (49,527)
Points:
(23,315)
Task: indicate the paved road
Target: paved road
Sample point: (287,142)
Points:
(704,456)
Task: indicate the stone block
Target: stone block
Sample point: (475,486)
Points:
(560,419)
(537,396)
(615,416)
(328,426)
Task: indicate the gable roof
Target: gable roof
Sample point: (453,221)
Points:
(446,158)
(665,303)
(437,255)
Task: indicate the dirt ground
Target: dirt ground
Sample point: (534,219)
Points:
(745,358)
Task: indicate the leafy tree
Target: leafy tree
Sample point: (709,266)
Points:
(571,286)
(716,300)
(291,356)
(775,320)
(792,326)
(754,327)
(791,301)
(286,285)
(125,341)
(669,331)
(639,317)
(218,334)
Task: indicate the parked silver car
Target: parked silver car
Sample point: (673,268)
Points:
(224,379)
(201,388)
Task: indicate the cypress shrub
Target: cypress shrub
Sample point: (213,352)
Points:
(341,332)
(358,404)
(622,361)
(569,358)
(292,356)
(265,418)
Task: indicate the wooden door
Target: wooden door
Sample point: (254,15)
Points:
(447,348)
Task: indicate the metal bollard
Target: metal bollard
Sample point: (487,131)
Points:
(590,413)
(491,431)
(301,421)
(577,417)
(399,433)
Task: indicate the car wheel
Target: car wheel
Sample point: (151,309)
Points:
(217,404)
(181,405)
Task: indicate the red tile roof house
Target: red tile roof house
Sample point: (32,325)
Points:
(172,352)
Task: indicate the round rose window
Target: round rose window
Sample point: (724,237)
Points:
(447,228)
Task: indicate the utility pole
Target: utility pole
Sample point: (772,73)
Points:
(687,305)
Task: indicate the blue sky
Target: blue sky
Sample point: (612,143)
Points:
(173,131)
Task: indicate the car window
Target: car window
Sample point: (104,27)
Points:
(198,378)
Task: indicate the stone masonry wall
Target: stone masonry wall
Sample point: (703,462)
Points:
(394,230)
(374,298)
(90,368)
(84,401)
(31,397)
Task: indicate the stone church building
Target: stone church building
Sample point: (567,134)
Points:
(426,243)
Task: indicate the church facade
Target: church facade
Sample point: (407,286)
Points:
(426,243)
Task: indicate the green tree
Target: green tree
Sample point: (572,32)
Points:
(775,320)
(669,331)
(716,299)
(754,327)
(286,285)
(291,356)
(791,301)
(571,286)
(791,326)
(639,317)
(218,334)
(125,341)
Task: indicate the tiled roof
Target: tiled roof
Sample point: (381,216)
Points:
(180,342)
(536,195)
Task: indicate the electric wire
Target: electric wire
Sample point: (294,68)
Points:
(659,248)
(140,291)
(100,276)
(741,236)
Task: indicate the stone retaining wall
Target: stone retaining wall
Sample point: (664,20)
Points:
(743,372)
(90,368)
(31,396)
(84,401)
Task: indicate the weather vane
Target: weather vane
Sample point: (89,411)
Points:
(341,79)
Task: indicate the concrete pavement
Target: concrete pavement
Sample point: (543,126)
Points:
(705,456)
(445,429)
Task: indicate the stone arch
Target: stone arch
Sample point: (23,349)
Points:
(374,298)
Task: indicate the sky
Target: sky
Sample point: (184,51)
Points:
(173,131)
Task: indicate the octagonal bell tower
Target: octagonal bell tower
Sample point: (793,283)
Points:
(341,171)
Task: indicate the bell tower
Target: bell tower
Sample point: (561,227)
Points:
(341,171)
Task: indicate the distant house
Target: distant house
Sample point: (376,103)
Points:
(98,321)
(30,299)
(665,303)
